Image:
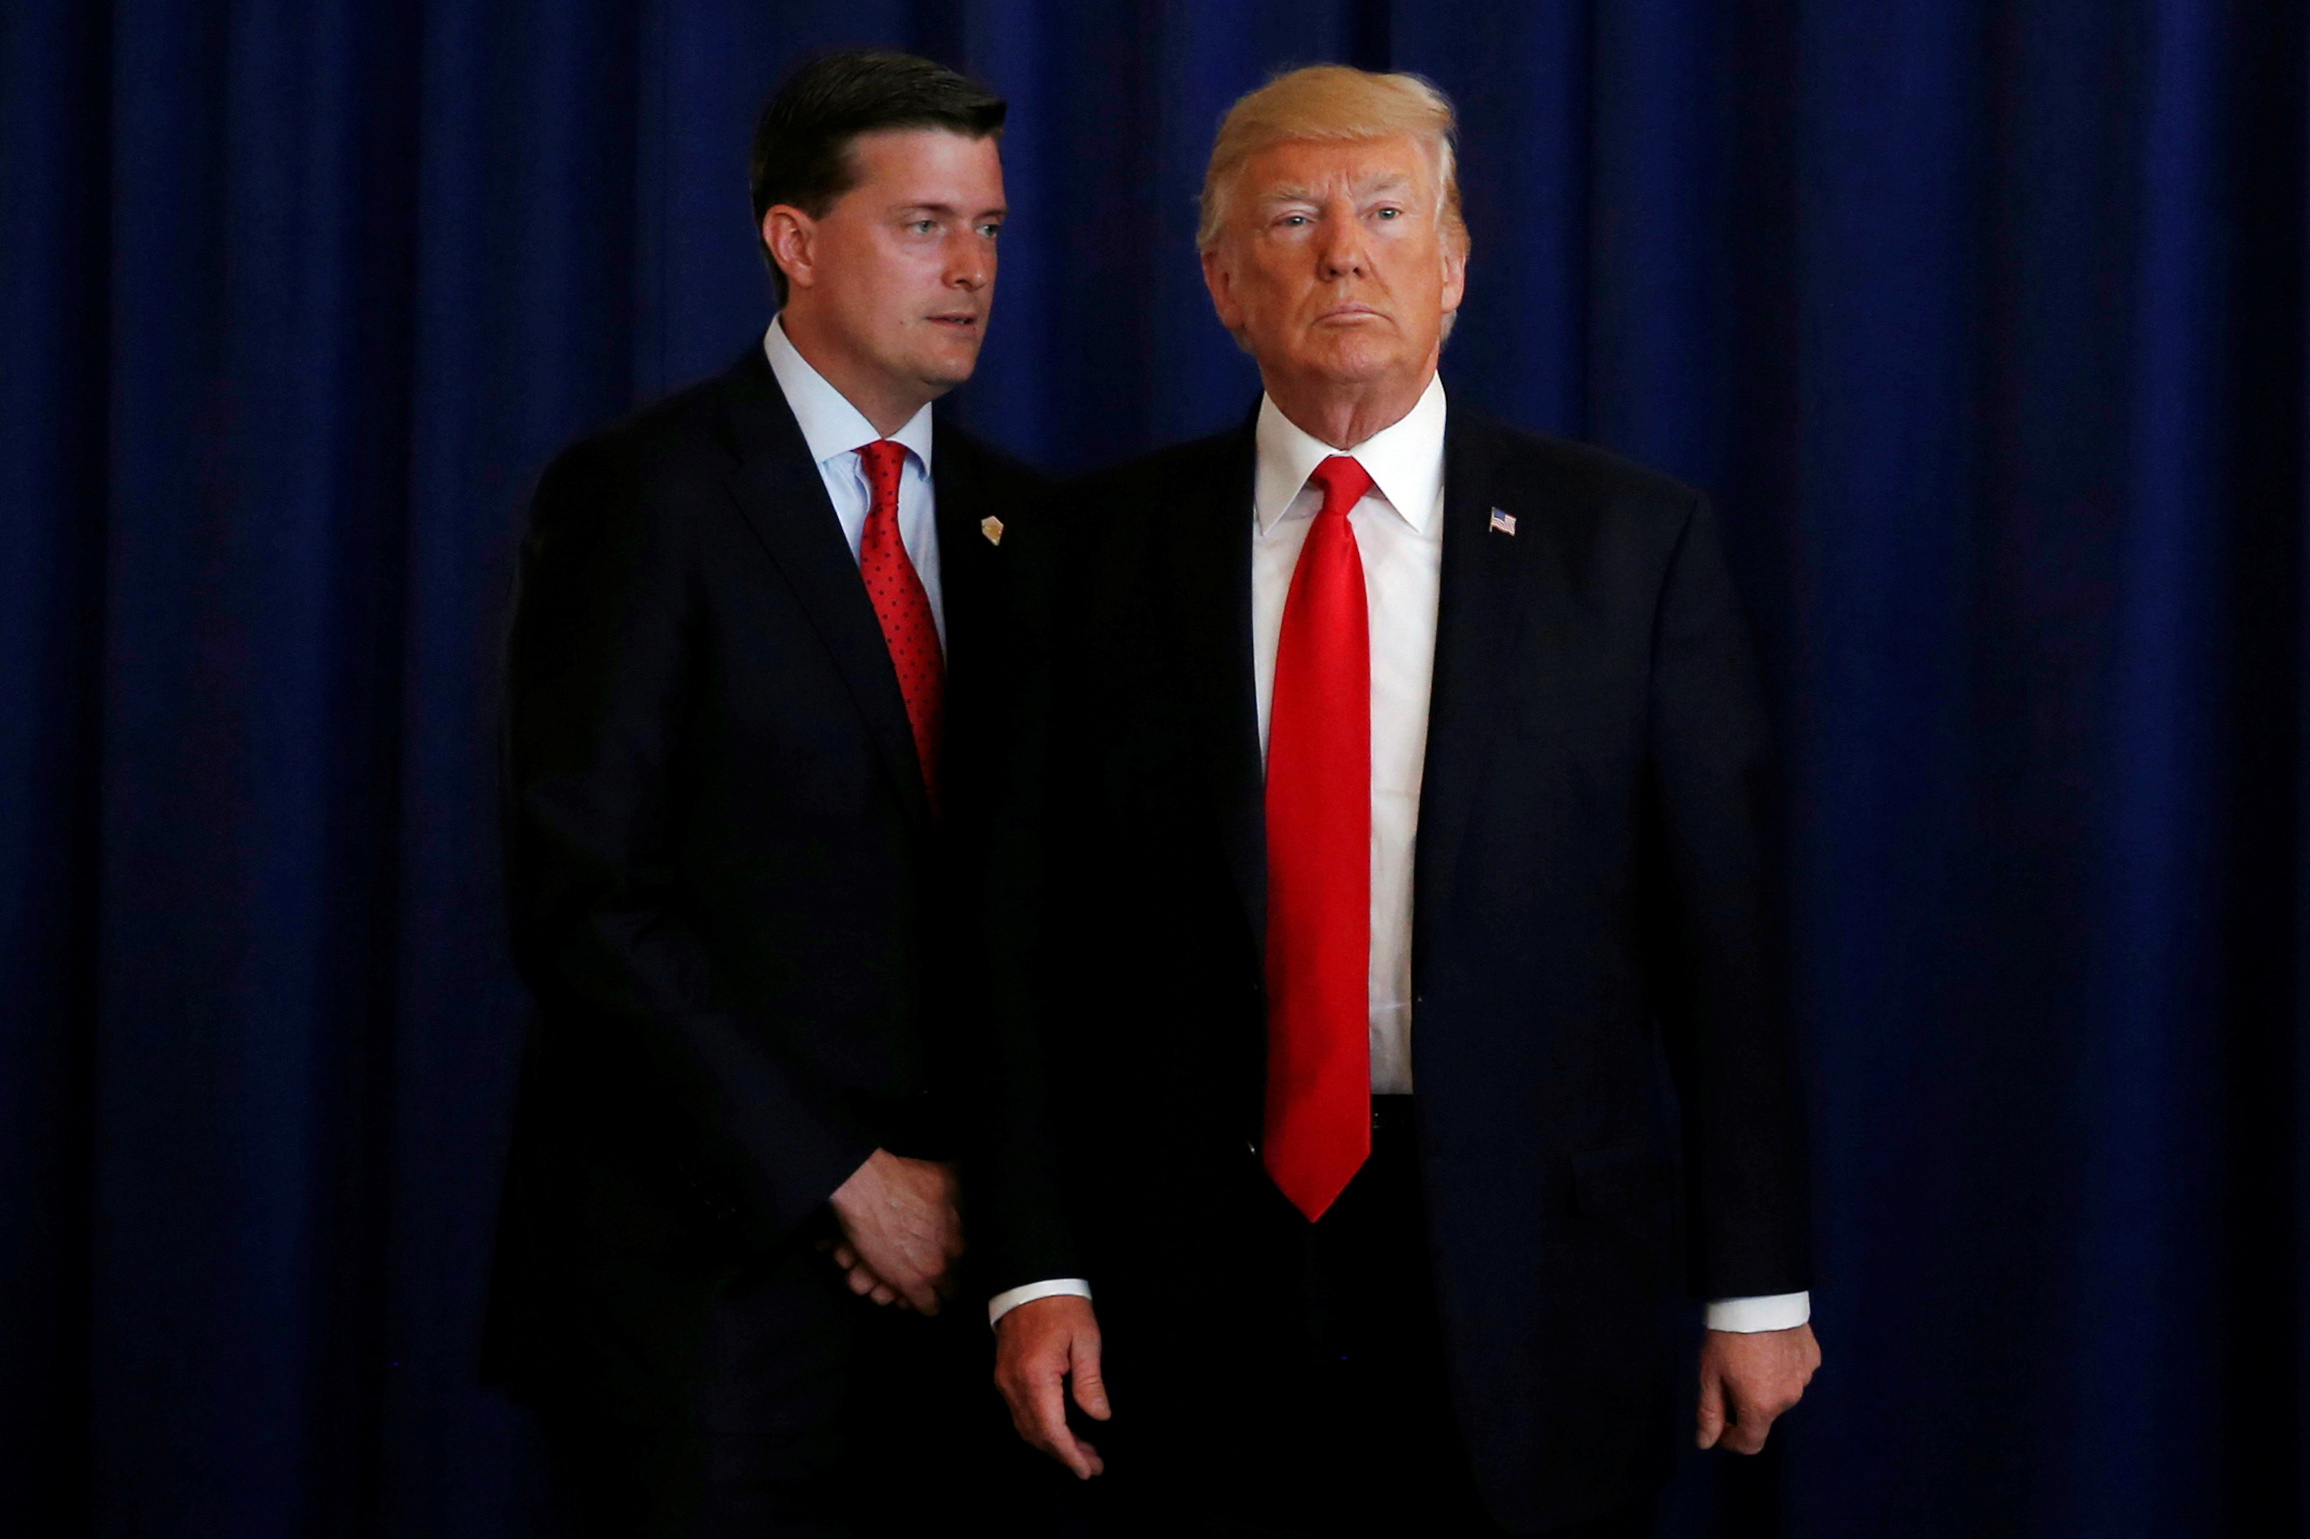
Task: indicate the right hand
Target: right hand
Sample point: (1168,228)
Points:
(1038,1346)
(901,1232)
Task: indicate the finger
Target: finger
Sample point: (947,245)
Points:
(1750,1420)
(882,1293)
(922,1293)
(1091,1459)
(862,1282)
(1051,1434)
(1711,1410)
(1090,1386)
(1020,1398)
(845,1257)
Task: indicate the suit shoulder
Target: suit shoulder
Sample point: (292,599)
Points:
(1159,480)
(1576,468)
(668,432)
(657,462)
(1002,473)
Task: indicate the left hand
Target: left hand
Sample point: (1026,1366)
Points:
(1747,1379)
(901,1233)
(860,1276)
(1041,1348)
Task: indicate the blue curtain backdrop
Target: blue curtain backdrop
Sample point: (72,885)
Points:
(1984,319)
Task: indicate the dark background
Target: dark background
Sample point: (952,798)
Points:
(1984,321)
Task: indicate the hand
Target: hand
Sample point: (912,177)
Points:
(900,1230)
(860,1276)
(1755,1375)
(1037,1346)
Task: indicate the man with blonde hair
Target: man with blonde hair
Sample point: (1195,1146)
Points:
(1396,788)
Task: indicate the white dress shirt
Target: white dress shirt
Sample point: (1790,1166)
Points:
(1399,530)
(835,430)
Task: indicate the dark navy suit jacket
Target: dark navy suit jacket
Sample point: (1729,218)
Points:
(731,899)
(1595,945)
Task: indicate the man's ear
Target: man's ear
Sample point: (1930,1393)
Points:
(1219,278)
(1455,276)
(792,237)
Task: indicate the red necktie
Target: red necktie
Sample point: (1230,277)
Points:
(901,605)
(1319,853)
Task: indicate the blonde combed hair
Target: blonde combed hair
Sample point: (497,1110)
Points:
(1333,101)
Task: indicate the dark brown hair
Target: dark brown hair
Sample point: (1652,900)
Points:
(802,140)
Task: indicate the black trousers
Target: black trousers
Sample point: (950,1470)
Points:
(880,1422)
(1330,1412)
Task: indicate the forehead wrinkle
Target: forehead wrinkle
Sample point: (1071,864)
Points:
(1360,184)
(1381,176)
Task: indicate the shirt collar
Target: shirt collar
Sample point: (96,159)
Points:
(1405,460)
(831,426)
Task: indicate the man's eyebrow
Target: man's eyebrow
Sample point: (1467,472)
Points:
(999,211)
(941,209)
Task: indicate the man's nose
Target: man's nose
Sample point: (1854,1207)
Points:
(971,262)
(1341,249)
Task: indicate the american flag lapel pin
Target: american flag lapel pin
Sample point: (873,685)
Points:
(1503,523)
(992,528)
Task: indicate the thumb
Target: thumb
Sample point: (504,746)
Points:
(1711,1409)
(1090,1388)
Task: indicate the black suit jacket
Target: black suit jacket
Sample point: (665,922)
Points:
(1593,909)
(729,893)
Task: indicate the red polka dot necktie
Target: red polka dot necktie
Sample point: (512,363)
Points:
(902,606)
(1319,872)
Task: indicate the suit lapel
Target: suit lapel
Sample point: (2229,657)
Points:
(1477,616)
(966,557)
(1210,560)
(783,499)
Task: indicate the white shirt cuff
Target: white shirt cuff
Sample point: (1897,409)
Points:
(1765,1312)
(1011,1298)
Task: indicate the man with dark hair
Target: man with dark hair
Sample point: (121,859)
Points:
(746,682)
(802,143)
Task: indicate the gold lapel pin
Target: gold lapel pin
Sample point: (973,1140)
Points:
(992,528)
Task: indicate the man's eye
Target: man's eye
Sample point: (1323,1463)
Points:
(1388,213)
(1294,221)
(990,231)
(923,226)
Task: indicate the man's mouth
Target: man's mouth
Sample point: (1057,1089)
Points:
(956,322)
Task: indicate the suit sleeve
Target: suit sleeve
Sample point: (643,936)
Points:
(602,676)
(1717,933)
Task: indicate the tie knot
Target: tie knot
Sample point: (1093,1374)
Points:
(882,460)
(1343,483)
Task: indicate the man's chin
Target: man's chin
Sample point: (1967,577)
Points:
(1356,365)
(952,364)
